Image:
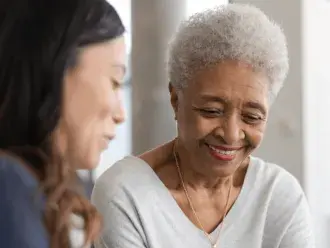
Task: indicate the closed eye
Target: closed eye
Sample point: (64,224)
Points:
(209,113)
(252,119)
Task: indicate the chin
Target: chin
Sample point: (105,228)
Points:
(222,168)
(94,163)
(89,163)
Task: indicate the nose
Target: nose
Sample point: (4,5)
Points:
(230,130)
(119,112)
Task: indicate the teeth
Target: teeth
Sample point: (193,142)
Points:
(222,151)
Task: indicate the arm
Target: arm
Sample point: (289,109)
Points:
(299,233)
(122,228)
(21,217)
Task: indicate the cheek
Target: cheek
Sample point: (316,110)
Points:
(192,126)
(255,135)
(88,102)
(186,121)
(86,112)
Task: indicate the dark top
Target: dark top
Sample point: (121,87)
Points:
(21,207)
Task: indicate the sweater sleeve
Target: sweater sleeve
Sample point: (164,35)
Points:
(299,232)
(289,223)
(122,228)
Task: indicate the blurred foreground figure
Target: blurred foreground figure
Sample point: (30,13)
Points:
(61,68)
(203,189)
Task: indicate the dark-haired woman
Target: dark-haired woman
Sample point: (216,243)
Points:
(61,67)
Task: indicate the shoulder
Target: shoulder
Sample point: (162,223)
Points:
(18,187)
(13,172)
(129,176)
(275,178)
(277,190)
(282,200)
(21,206)
(120,194)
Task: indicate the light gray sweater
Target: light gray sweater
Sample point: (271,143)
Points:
(139,212)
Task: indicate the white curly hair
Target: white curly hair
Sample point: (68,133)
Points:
(236,32)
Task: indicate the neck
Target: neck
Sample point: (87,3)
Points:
(199,181)
(214,183)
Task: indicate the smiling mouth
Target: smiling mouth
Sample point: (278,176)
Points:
(223,153)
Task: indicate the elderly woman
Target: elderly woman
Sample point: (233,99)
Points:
(226,66)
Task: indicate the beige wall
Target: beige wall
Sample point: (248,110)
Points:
(153,23)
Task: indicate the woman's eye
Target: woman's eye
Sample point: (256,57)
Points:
(211,113)
(252,119)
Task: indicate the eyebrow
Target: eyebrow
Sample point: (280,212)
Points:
(212,98)
(256,105)
(250,104)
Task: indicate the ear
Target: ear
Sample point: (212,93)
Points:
(174,99)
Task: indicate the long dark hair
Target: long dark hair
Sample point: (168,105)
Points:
(39,41)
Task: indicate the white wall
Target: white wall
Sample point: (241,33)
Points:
(194,6)
(316,67)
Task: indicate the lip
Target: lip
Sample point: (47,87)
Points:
(105,141)
(108,137)
(221,156)
(226,148)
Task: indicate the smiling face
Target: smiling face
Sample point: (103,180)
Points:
(221,117)
(92,105)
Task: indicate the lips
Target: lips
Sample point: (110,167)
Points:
(109,136)
(105,141)
(223,153)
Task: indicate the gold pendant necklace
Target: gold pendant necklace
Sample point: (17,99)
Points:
(213,244)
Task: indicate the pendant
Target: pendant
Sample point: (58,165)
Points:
(214,246)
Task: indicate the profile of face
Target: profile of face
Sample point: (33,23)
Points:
(221,117)
(91,106)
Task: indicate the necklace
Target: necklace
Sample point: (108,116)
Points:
(213,243)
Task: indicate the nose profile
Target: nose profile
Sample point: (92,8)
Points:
(119,113)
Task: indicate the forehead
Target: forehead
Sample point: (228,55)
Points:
(231,81)
(110,55)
